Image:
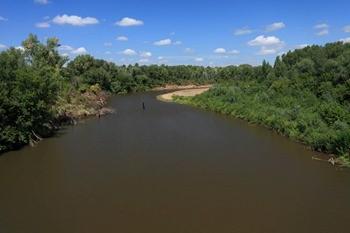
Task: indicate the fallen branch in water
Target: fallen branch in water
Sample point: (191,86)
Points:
(37,136)
(331,160)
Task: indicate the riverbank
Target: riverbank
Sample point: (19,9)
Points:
(83,105)
(180,87)
(188,92)
(238,102)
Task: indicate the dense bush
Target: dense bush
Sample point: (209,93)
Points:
(305,96)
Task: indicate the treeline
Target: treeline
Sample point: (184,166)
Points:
(84,69)
(305,95)
(39,86)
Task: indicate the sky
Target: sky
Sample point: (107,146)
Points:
(208,33)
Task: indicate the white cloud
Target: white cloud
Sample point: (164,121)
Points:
(65,55)
(65,48)
(129,52)
(243,31)
(20,48)
(80,50)
(160,58)
(172,33)
(2,46)
(127,22)
(220,50)
(74,20)
(2,18)
(234,52)
(145,54)
(189,50)
(108,44)
(302,46)
(324,29)
(275,26)
(108,53)
(268,45)
(345,40)
(162,42)
(42,2)
(265,41)
(199,59)
(267,51)
(346,28)
(43,25)
(122,38)
(177,43)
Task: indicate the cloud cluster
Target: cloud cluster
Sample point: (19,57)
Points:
(2,46)
(324,29)
(268,28)
(108,44)
(128,22)
(2,18)
(74,20)
(143,54)
(77,51)
(162,42)
(268,45)
(265,41)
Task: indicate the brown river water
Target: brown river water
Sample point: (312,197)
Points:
(170,168)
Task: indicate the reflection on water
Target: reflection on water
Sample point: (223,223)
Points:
(169,168)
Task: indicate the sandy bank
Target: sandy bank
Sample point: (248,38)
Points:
(187,92)
(176,87)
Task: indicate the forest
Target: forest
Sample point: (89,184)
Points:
(304,95)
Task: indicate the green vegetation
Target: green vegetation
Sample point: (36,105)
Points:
(39,89)
(305,96)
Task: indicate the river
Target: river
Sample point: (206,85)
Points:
(170,169)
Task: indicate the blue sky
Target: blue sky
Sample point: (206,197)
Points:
(215,33)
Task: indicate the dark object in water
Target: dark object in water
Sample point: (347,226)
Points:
(143,105)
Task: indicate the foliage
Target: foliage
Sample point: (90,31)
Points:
(305,96)
(29,81)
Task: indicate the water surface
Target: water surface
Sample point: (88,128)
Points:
(169,168)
